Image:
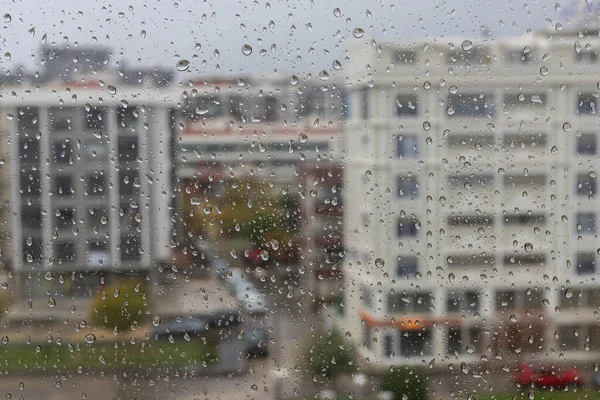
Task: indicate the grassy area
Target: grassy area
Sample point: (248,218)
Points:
(580,394)
(49,357)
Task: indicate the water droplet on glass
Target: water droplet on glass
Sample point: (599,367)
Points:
(323,75)
(336,65)
(7,18)
(358,33)
(112,90)
(379,263)
(528,247)
(90,338)
(183,65)
(566,127)
(544,71)
(246,49)
(466,45)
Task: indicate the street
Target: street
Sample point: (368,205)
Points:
(260,381)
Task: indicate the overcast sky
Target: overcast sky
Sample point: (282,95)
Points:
(174,28)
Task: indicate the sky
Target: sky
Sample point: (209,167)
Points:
(297,36)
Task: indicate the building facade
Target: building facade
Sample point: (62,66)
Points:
(471,199)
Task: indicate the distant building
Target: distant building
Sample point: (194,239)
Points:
(91,169)
(471,199)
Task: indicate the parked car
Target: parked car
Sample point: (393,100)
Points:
(253,301)
(547,376)
(256,334)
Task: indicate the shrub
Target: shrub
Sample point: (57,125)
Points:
(121,305)
(330,355)
(405,383)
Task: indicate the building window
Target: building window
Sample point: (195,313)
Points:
(128,182)
(32,249)
(96,217)
(407,266)
(463,302)
(30,183)
(586,104)
(62,152)
(63,185)
(29,150)
(407,186)
(128,149)
(477,55)
(65,252)
(64,218)
(31,217)
(27,119)
(407,227)
(519,56)
(587,57)
(576,337)
(586,185)
(407,146)
(525,219)
(586,144)
(367,296)
(96,184)
(511,300)
(127,117)
(586,263)
(405,57)
(406,106)
(388,346)
(586,223)
(416,342)
(460,340)
(410,303)
(364,103)
(471,105)
(93,118)
(130,247)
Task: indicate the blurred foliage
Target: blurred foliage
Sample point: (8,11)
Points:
(121,305)
(329,355)
(249,209)
(406,383)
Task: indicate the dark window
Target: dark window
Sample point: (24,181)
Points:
(454,341)
(32,250)
(30,183)
(416,342)
(364,103)
(236,104)
(525,260)
(406,106)
(96,216)
(586,104)
(64,218)
(128,182)
(64,252)
(463,301)
(525,219)
(519,56)
(63,186)
(127,117)
(405,57)
(130,247)
(471,105)
(208,107)
(93,118)
(407,227)
(96,184)
(59,122)
(31,217)
(506,300)
(27,119)
(586,144)
(29,150)
(408,186)
(271,109)
(128,149)
(62,152)
(407,266)
(586,263)
(388,346)
(586,223)
(407,146)
(587,56)
(586,185)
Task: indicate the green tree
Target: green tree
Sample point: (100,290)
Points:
(329,355)
(121,305)
(406,383)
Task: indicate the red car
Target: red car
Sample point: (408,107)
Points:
(547,376)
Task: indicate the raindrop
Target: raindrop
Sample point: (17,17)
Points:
(90,338)
(7,18)
(544,71)
(294,80)
(568,293)
(528,247)
(302,138)
(566,127)
(336,65)
(246,49)
(467,45)
(183,65)
(379,263)
(358,33)
(323,75)
(156,321)
(337,12)
(111,90)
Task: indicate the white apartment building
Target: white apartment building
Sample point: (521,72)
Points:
(471,204)
(91,187)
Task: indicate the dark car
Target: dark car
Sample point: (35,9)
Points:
(256,334)
(547,376)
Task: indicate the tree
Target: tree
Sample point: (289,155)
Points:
(122,305)
(405,383)
(329,355)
